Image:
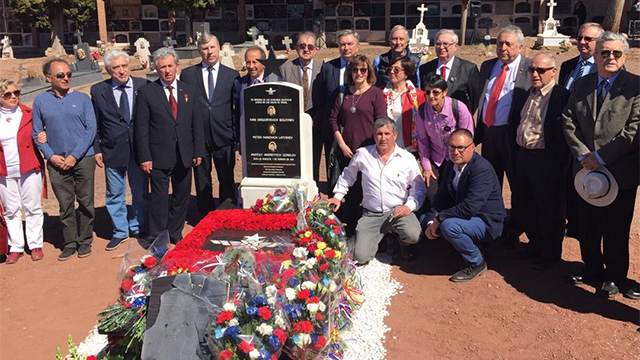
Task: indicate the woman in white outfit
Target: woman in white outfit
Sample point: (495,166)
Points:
(21,178)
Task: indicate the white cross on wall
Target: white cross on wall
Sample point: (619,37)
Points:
(287,43)
(262,42)
(551,4)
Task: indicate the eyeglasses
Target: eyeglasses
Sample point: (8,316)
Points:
(309,47)
(8,94)
(459,149)
(359,70)
(607,54)
(395,70)
(540,70)
(434,92)
(586,38)
(62,75)
(443,44)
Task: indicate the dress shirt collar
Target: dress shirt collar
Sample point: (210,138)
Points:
(546,88)
(590,60)
(174,84)
(458,170)
(260,78)
(611,79)
(394,153)
(513,66)
(448,64)
(216,66)
(303,66)
(115,84)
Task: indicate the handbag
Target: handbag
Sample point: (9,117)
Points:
(4,234)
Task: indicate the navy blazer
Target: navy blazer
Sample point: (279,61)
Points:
(479,195)
(520,93)
(161,138)
(463,83)
(220,124)
(566,69)
(325,89)
(114,135)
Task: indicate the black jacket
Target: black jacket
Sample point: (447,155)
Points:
(463,84)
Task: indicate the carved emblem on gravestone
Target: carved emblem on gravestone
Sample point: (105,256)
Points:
(80,54)
(271,110)
(273,147)
(271,129)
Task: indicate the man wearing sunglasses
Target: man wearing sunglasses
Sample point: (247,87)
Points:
(467,208)
(584,63)
(542,160)
(70,124)
(399,47)
(600,125)
(303,71)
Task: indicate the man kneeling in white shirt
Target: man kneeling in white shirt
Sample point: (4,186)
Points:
(393,189)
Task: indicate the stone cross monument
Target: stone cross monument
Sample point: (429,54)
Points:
(550,36)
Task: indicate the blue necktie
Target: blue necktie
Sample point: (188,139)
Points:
(212,85)
(577,74)
(603,89)
(124,104)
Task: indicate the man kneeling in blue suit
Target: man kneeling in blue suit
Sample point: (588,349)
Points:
(468,207)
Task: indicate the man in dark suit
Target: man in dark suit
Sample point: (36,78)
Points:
(468,207)
(255,75)
(507,83)
(114,102)
(213,86)
(331,83)
(600,125)
(303,71)
(584,63)
(542,161)
(462,76)
(169,140)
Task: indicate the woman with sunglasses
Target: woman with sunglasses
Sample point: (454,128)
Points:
(439,117)
(351,120)
(20,175)
(403,100)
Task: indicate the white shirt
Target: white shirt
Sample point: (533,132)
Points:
(449,64)
(205,75)
(9,125)
(384,186)
(174,90)
(503,107)
(396,115)
(343,68)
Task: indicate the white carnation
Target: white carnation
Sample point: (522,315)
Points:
(265,329)
(313,308)
(254,354)
(229,307)
(321,306)
(309,285)
(233,322)
(300,252)
(290,293)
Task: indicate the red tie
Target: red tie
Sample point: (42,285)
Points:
(443,73)
(490,113)
(172,103)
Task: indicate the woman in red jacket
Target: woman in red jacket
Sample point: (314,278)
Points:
(20,175)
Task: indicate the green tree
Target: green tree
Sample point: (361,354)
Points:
(50,14)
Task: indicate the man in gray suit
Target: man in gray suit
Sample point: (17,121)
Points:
(600,124)
(303,71)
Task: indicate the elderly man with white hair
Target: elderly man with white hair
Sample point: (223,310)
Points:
(462,76)
(601,124)
(114,101)
(399,47)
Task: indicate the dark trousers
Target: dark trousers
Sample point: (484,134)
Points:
(351,209)
(322,138)
(609,226)
(542,194)
(498,148)
(70,186)
(169,212)
(224,159)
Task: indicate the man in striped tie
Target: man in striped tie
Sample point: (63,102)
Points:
(506,89)
(584,63)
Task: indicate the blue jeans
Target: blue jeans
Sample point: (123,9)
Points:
(463,235)
(115,201)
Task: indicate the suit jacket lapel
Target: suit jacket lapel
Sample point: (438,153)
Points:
(454,73)
(297,72)
(164,101)
(109,97)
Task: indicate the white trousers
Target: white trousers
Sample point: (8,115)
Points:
(23,193)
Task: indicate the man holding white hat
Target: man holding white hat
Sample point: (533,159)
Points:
(600,124)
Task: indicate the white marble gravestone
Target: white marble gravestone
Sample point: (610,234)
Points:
(262,42)
(142,51)
(226,55)
(287,43)
(275,141)
(7,50)
(419,40)
(550,36)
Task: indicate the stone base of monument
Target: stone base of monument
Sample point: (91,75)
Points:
(252,189)
(551,40)
(187,52)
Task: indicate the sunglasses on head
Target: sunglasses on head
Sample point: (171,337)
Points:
(586,38)
(309,47)
(360,70)
(607,54)
(8,94)
(539,70)
(62,75)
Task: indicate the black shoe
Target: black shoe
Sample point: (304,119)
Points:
(114,243)
(633,293)
(585,278)
(608,290)
(469,273)
(84,251)
(134,234)
(66,253)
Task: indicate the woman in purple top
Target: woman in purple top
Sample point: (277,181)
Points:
(438,119)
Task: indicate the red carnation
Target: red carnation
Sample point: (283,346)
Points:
(319,316)
(264,313)
(304,294)
(337,230)
(126,285)
(329,254)
(313,300)
(226,354)
(92,357)
(245,346)
(150,262)
(321,341)
(324,267)
(312,247)
(281,335)
(223,317)
(304,326)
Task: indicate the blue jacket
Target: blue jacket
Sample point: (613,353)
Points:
(479,195)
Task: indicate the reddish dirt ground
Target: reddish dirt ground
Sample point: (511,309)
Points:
(511,312)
